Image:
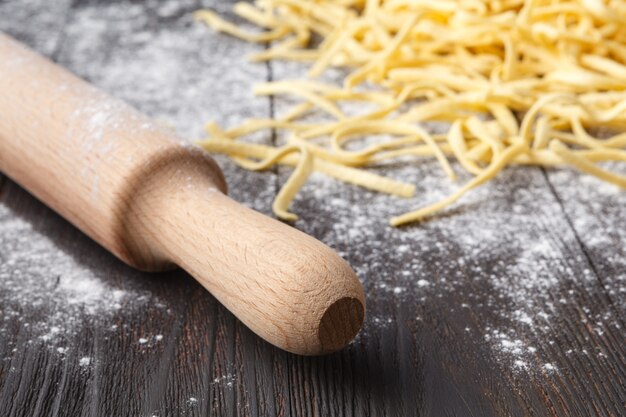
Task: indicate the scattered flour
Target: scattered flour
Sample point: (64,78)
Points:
(226,380)
(506,257)
(149,339)
(48,290)
(549,367)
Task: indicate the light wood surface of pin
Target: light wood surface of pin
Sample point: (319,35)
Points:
(131,185)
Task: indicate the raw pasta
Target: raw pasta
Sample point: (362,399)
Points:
(518,81)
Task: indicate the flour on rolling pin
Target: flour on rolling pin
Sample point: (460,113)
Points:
(100,119)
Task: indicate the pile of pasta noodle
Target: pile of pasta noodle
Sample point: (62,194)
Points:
(528,82)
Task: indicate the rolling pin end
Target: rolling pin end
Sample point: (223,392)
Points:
(340,324)
(320,298)
(289,288)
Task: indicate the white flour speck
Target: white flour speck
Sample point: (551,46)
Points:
(549,367)
(226,380)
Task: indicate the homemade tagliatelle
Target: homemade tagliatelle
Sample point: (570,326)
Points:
(518,81)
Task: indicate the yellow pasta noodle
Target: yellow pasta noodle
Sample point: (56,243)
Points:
(523,82)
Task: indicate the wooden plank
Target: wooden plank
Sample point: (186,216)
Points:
(595,212)
(465,311)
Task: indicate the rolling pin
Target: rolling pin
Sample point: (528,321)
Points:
(156,203)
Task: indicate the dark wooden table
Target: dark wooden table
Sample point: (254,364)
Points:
(512,303)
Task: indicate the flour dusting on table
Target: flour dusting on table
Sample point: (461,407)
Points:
(47,290)
(490,243)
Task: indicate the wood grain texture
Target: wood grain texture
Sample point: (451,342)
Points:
(424,348)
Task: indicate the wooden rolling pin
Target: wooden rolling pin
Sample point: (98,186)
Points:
(153,202)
